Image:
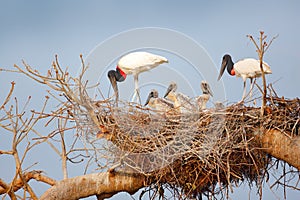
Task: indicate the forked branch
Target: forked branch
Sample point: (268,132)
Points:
(261,48)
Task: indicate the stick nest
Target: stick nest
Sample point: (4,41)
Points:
(205,151)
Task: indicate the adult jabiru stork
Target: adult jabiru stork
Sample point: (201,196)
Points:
(206,93)
(245,68)
(133,63)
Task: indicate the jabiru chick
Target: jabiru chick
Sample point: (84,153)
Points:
(181,101)
(157,103)
(206,93)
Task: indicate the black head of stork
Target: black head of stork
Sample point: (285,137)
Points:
(134,63)
(115,76)
(247,68)
(228,64)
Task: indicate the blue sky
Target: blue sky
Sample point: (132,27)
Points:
(37,30)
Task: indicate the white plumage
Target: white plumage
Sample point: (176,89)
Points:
(245,68)
(250,68)
(134,63)
(138,62)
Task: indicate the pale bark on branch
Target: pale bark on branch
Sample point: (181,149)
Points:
(27,176)
(103,185)
(281,146)
(106,184)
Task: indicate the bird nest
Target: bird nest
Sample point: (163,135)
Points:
(203,151)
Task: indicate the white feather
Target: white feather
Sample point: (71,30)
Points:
(250,68)
(137,62)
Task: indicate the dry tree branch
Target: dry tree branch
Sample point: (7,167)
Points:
(9,95)
(20,125)
(27,176)
(59,81)
(271,41)
(6,152)
(8,189)
(61,127)
(261,49)
(101,184)
(19,174)
(44,139)
(18,136)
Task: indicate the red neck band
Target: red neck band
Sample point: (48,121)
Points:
(121,72)
(232,72)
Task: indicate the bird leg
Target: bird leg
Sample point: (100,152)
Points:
(244,93)
(251,89)
(136,90)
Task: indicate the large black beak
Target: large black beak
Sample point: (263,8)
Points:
(149,97)
(224,64)
(112,78)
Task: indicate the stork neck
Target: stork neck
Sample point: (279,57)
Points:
(230,68)
(120,75)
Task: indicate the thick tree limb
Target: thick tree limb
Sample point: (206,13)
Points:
(104,185)
(282,147)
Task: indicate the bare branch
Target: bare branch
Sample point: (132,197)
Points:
(254,42)
(271,41)
(5,188)
(261,49)
(27,176)
(9,95)
(6,152)
(61,127)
